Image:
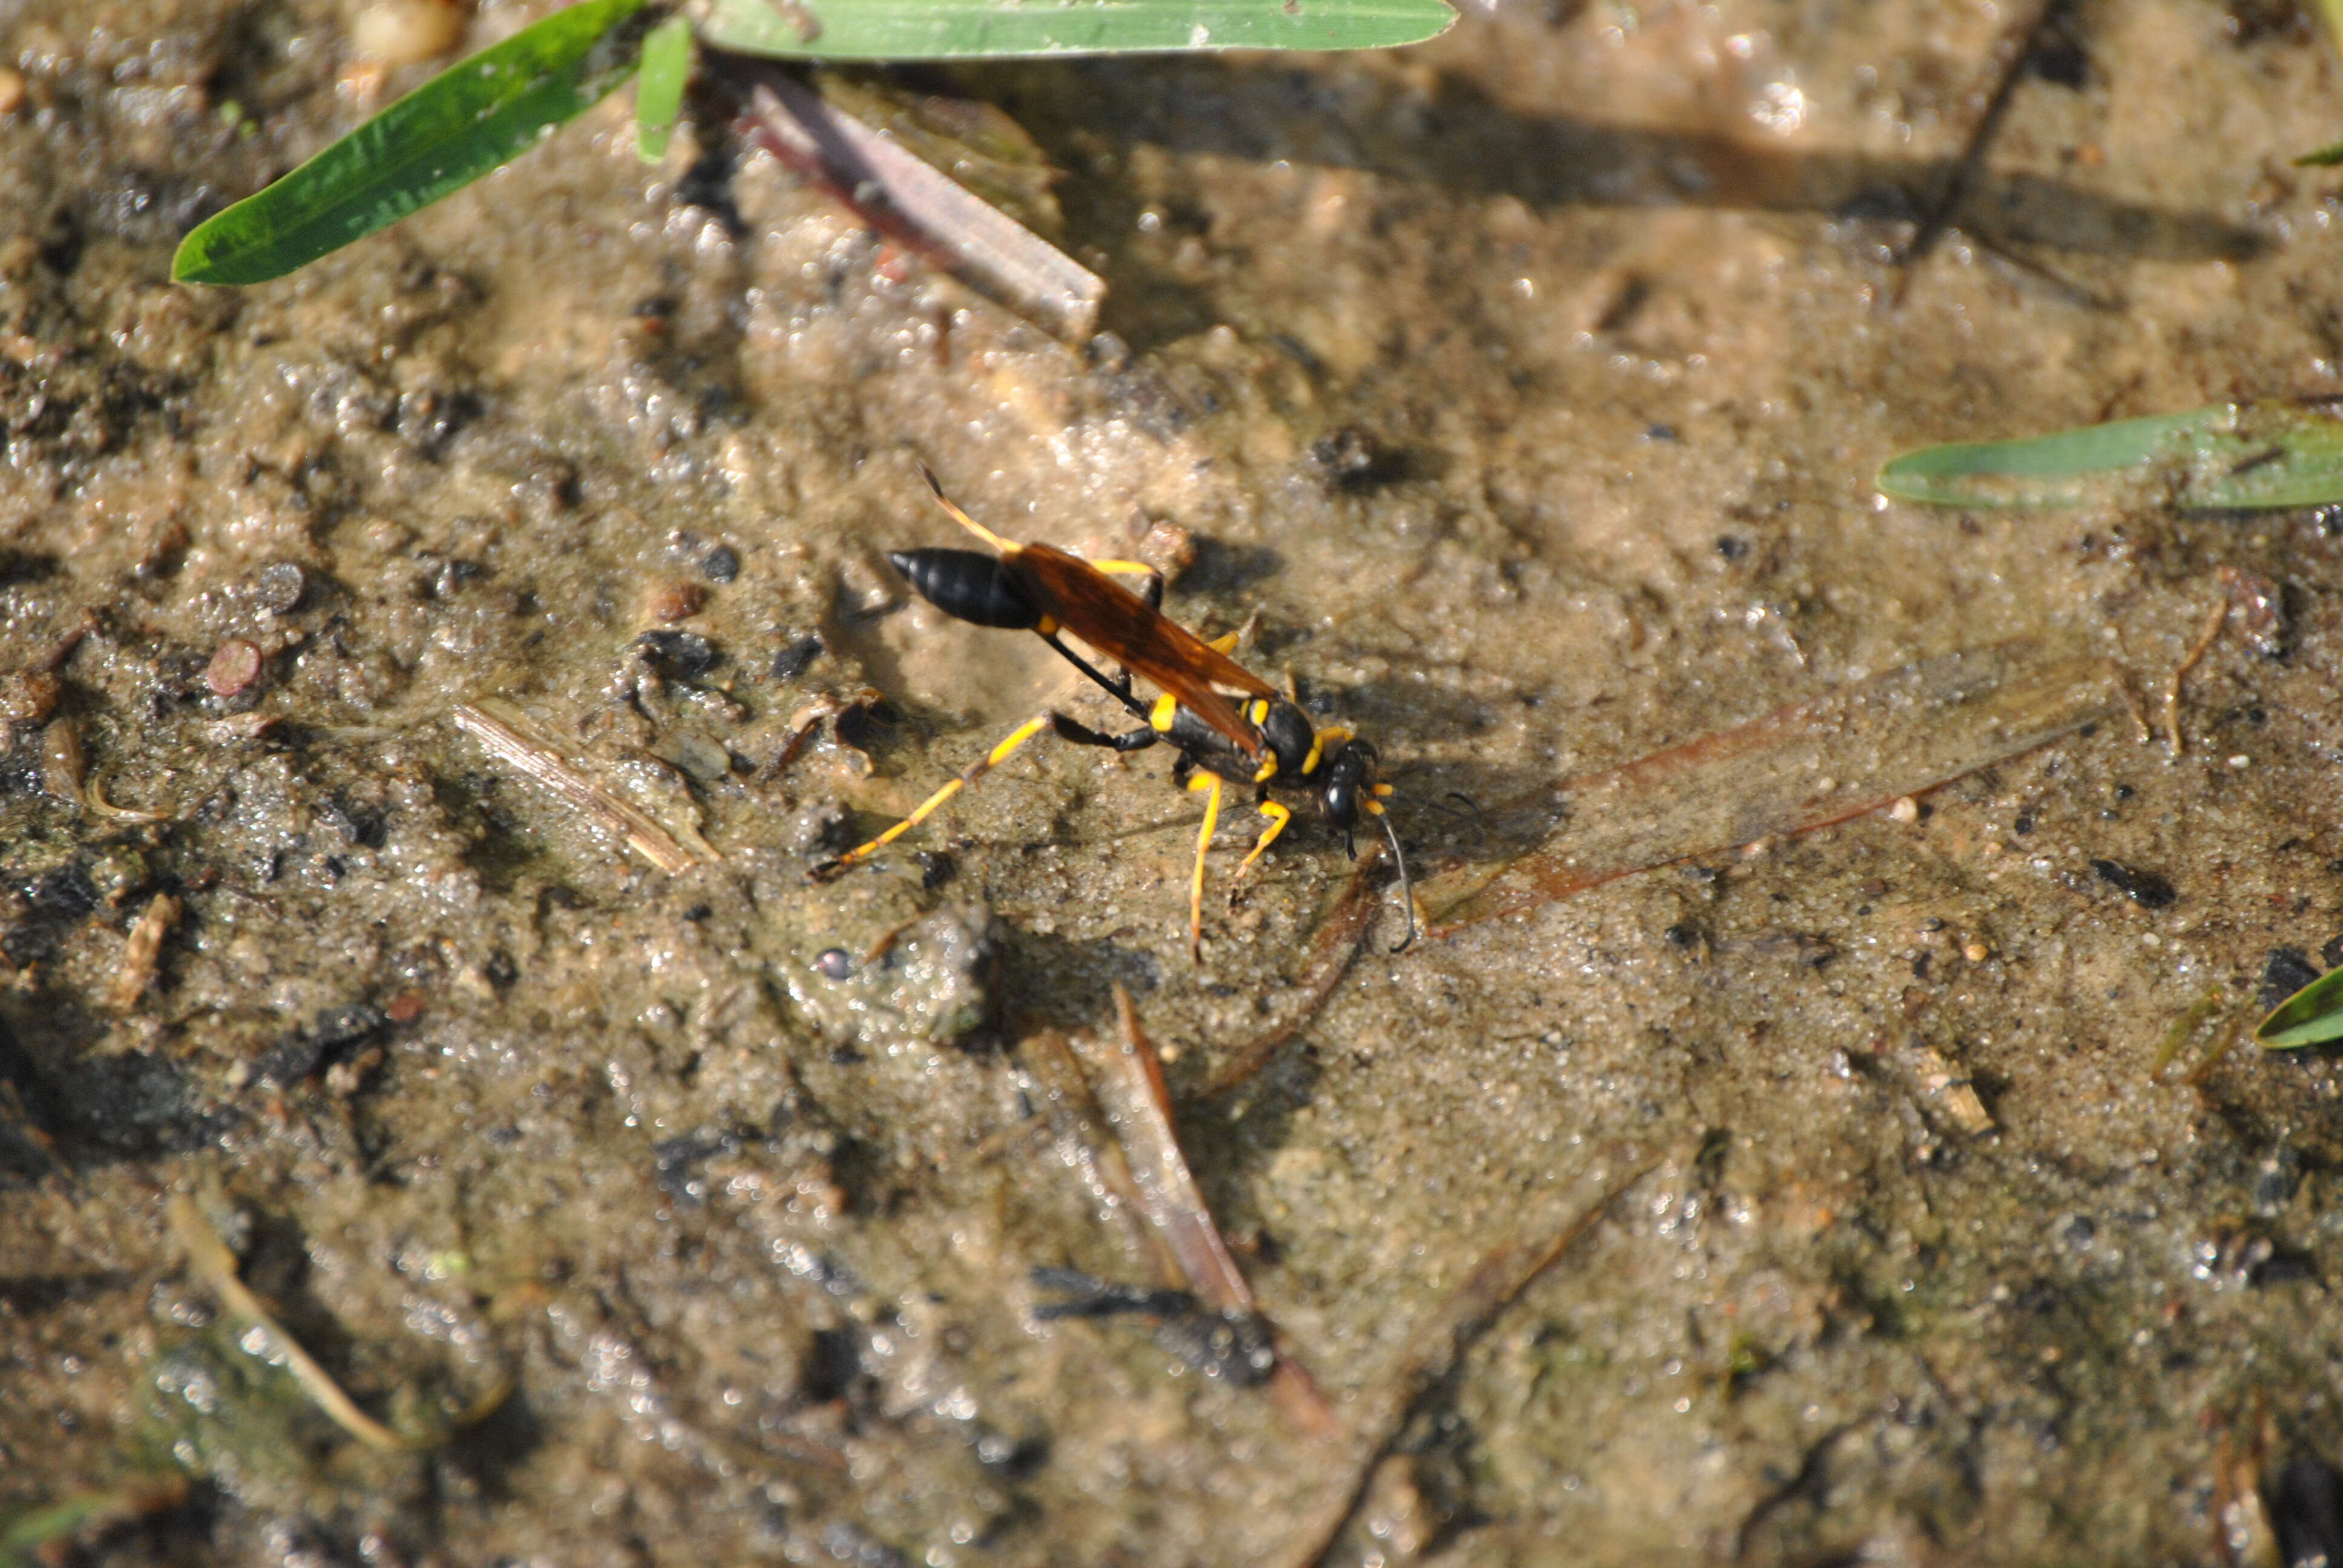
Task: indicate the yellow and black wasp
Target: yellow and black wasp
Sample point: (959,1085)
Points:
(1229,727)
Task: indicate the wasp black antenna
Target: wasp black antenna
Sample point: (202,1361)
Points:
(1406,885)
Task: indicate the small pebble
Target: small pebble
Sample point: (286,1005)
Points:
(722,565)
(406,32)
(12,91)
(675,601)
(1905,810)
(280,587)
(405,1007)
(29,697)
(834,964)
(1976,952)
(795,659)
(234,669)
(680,655)
(1168,548)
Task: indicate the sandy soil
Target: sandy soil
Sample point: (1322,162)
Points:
(1617,295)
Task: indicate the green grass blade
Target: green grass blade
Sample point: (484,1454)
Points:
(658,90)
(946,29)
(2229,456)
(474,115)
(2312,1016)
(2325,157)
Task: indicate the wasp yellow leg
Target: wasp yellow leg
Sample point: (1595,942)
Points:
(1278,818)
(974,771)
(1211,783)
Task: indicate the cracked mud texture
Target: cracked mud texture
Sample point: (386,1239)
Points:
(1527,386)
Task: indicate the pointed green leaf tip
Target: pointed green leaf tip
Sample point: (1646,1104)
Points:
(658,90)
(2230,456)
(950,29)
(2312,1016)
(476,116)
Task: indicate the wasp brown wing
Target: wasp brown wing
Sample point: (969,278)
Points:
(1117,622)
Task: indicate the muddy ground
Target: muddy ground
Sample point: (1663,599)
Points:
(1527,386)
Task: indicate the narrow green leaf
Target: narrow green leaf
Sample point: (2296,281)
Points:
(2229,456)
(476,115)
(658,91)
(943,29)
(2325,157)
(2312,1016)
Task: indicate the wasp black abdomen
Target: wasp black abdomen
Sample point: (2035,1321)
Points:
(967,586)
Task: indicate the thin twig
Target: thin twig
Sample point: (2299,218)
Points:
(214,1266)
(503,732)
(2206,634)
(1332,949)
(910,202)
(1439,1344)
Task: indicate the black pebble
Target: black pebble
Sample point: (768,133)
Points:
(680,655)
(722,565)
(2146,889)
(793,660)
(2285,971)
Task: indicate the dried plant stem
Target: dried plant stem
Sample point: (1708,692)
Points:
(505,734)
(2205,635)
(214,1266)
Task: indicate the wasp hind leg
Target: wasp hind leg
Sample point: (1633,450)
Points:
(1209,783)
(1057,724)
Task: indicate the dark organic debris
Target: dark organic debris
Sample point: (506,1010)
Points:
(2305,1500)
(324,1042)
(2146,889)
(675,1162)
(1354,460)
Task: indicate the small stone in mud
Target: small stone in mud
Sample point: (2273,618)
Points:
(2146,889)
(1352,459)
(680,655)
(280,587)
(795,659)
(234,669)
(1168,548)
(722,565)
(2284,972)
(834,964)
(406,32)
(29,697)
(675,601)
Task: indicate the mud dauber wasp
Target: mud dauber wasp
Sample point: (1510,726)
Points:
(1228,726)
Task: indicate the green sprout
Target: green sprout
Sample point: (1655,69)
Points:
(2312,1016)
(2229,456)
(485,111)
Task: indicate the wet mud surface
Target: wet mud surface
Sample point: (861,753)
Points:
(1526,387)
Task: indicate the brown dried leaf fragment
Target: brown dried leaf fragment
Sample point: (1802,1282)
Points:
(142,953)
